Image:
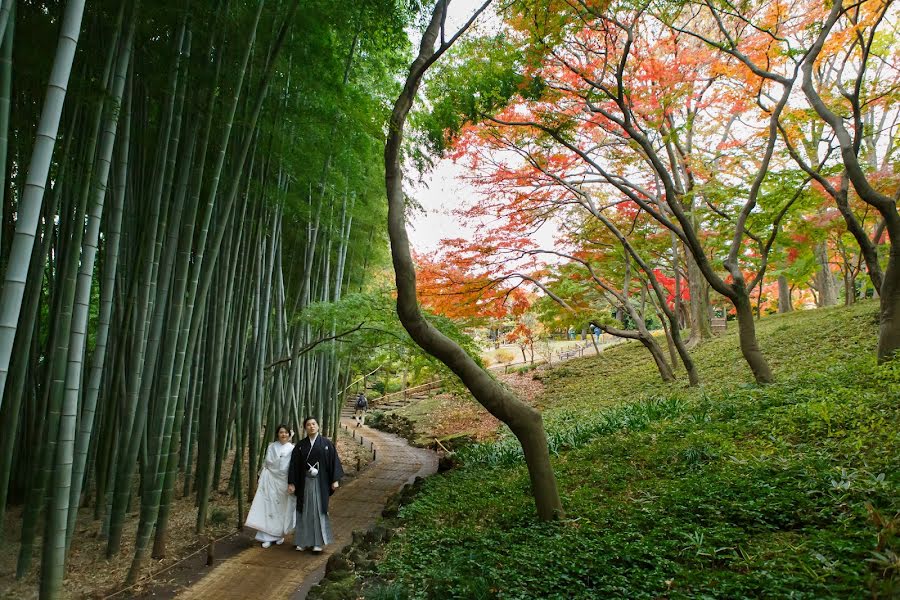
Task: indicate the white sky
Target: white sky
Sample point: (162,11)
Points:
(444,189)
(441,192)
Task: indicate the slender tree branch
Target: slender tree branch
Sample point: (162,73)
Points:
(309,347)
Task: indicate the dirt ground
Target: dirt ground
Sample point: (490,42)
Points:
(451,414)
(511,354)
(90,575)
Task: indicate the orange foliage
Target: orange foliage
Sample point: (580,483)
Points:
(456,284)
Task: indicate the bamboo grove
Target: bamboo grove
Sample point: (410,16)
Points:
(181,179)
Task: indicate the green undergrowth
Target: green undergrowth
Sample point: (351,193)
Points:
(729,490)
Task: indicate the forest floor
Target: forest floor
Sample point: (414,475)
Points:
(89,575)
(725,490)
(454,414)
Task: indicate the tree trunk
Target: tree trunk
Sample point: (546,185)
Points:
(162,409)
(594,342)
(56,460)
(673,331)
(867,247)
(784,295)
(889,327)
(29,207)
(649,342)
(7,14)
(5,97)
(665,370)
(849,286)
(670,343)
(701,329)
(749,345)
(137,398)
(825,280)
(524,421)
(11,412)
(74,384)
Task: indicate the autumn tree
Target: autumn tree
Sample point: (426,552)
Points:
(841,57)
(601,267)
(524,421)
(613,100)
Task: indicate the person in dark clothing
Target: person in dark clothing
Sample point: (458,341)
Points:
(313,475)
(362,405)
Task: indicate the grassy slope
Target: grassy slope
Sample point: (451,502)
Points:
(726,491)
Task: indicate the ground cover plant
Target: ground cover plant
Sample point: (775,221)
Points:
(729,490)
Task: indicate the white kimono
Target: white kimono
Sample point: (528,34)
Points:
(272,512)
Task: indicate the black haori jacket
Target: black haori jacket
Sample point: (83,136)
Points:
(330,470)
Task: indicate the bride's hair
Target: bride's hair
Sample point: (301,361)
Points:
(279,428)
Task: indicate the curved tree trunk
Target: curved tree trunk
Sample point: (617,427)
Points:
(665,370)
(649,342)
(670,343)
(866,246)
(673,331)
(524,421)
(747,334)
(889,327)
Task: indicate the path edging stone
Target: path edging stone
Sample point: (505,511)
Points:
(349,572)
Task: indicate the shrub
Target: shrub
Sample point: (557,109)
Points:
(505,355)
(394,423)
(218,516)
(388,591)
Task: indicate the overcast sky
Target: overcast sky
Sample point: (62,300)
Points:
(444,189)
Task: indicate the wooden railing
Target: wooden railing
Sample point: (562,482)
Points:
(566,354)
(425,387)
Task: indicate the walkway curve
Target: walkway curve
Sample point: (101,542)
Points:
(280,572)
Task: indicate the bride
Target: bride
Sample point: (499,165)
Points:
(272,512)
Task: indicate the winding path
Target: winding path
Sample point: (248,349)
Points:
(281,572)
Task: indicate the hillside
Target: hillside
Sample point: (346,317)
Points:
(725,491)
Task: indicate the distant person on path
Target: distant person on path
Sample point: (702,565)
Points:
(362,405)
(314,474)
(272,512)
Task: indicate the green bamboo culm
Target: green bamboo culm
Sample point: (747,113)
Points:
(153,318)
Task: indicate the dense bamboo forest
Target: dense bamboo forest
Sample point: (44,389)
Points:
(181,181)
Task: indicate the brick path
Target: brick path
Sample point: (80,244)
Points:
(282,572)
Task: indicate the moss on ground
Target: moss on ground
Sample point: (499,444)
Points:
(728,490)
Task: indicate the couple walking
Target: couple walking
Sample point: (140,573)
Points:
(311,472)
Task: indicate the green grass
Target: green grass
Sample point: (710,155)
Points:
(726,491)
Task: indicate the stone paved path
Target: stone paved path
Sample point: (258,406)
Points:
(280,572)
